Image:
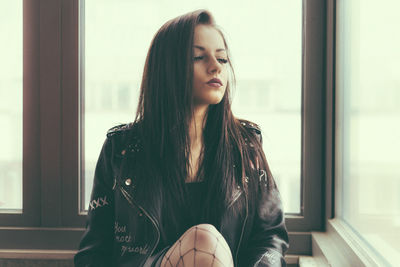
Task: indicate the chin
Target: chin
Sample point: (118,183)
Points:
(217,101)
(209,100)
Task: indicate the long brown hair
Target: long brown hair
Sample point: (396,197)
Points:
(164,112)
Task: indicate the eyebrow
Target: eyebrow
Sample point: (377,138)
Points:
(202,48)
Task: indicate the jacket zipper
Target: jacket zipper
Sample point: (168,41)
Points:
(243,226)
(130,200)
(237,195)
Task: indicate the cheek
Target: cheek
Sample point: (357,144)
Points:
(198,77)
(225,73)
(197,70)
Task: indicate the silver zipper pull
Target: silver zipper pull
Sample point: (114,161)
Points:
(115,183)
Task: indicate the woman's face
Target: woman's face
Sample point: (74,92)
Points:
(210,61)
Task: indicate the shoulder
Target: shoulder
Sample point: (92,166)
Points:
(119,129)
(124,136)
(130,129)
(250,128)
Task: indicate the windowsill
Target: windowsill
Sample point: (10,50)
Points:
(39,238)
(310,261)
(340,246)
(37,254)
(69,254)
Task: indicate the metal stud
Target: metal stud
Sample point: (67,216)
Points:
(128,181)
(246,179)
(238,187)
(134,147)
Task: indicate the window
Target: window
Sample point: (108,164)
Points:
(11,107)
(368,84)
(62,94)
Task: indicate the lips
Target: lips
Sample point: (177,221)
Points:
(215,81)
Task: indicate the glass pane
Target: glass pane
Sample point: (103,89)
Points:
(11,106)
(269,84)
(370,83)
(268,80)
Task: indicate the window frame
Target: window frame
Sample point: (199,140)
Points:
(339,245)
(52,165)
(31,115)
(50,90)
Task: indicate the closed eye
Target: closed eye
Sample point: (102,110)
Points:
(221,60)
(197,58)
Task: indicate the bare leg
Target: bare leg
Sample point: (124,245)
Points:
(202,246)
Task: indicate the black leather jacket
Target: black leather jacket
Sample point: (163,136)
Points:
(123,226)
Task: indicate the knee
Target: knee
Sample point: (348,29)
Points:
(206,226)
(205,234)
(202,244)
(206,231)
(210,242)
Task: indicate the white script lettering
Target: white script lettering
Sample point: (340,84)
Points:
(138,249)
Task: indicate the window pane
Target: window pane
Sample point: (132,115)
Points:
(269,84)
(11,106)
(370,83)
(268,80)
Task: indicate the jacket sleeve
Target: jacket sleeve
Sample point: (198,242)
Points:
(268,241)
(96,245)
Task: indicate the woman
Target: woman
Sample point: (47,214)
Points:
(186,183)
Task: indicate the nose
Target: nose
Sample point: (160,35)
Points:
(214,66)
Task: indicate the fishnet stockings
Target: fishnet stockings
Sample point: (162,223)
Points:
(202,246)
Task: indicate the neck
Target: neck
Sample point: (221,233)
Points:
(196,127)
